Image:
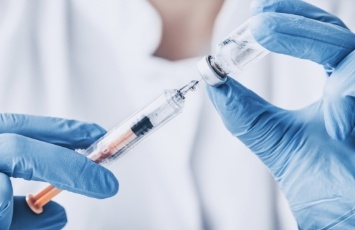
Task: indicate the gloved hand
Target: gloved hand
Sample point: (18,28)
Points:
(315,172)
(38,148)
(302,30)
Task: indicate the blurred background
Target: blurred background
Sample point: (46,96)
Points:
(100,61)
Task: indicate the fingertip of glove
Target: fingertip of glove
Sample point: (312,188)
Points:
(261,6)
(87,133)
(212,90)
(221,90)
(257,6)
(111,185)
(104,184)
(97,131)
(264,28)
(228,96)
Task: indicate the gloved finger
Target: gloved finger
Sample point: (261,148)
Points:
(6,201)
(300,37)
(300,8)
(261,126)
(339,100)
(35,160)
(53,217)
(67,133)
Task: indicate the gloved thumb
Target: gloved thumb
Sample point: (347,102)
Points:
(53,217)
(339,99)
(258,124)
(6,201)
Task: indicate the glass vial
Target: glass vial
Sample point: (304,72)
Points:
(236,51)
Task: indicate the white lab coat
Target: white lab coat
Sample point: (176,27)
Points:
(92,61)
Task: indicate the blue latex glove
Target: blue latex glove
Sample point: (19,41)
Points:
(39,148)
(315,172)
(302,30)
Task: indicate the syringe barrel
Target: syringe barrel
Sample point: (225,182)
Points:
(122,138)
(128,134)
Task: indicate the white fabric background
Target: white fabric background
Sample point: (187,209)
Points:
(91,60)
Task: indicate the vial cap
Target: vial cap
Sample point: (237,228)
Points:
(208,73)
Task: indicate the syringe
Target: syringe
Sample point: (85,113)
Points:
(125,136)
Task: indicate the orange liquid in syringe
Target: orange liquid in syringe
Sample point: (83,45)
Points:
(36,202)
